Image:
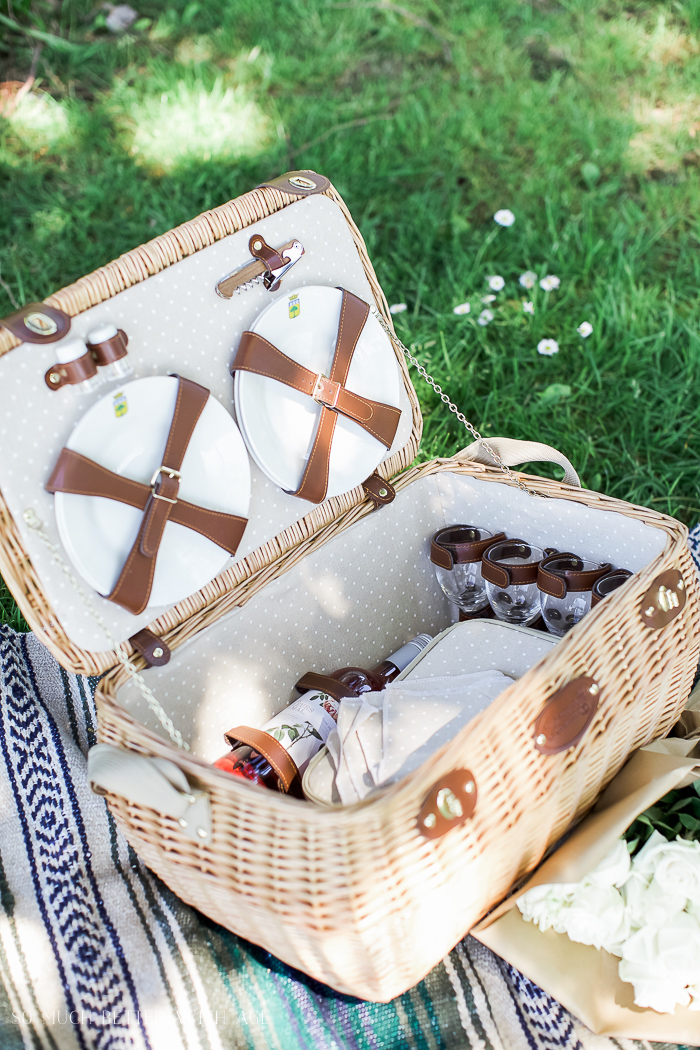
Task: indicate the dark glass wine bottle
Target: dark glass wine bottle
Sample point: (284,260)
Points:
(296,734)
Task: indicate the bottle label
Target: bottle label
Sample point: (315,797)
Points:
(303,728)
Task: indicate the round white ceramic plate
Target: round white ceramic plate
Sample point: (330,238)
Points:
(279,423)
(126,432)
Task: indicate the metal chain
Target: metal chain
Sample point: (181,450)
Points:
(452,407)
(35,523)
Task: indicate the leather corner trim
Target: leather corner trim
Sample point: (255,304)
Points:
(153,649)
(298,183)
(38,323)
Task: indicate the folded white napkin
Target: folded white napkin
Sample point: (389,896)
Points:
(383,736)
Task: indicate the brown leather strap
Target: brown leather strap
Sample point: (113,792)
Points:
(260,249)
(152,648)
(110,350)
(605,585)
(505,575)
(281,761)
(458,545)
(324,684)
(258,355)
(560,573)
(71,373)
(80,476)
(77,474)
(379,490)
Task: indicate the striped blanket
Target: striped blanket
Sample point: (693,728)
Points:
(96,952)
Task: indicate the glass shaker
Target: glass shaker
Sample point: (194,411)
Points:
(565,582)
(510,570)
(456,553)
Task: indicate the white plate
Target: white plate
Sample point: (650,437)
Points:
(279,423)
(98,533)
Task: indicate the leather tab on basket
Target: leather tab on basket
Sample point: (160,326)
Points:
(109,350)
(281,761)
(38,323)
(566,716)
(152,648)
(559,574)
(448,804)
(258,355)
(299,183)
(323,684)
(71,373)
(159,501)
(504,576)
(379,490)
(260,249)
(664,600)
(452,546)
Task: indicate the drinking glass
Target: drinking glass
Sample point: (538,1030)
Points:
(510,571)
(456,553)
(565,582)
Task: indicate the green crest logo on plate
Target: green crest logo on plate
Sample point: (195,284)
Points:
(294,306)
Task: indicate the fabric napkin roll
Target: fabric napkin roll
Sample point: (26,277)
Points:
(381,737)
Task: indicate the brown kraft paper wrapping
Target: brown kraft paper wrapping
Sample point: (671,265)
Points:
(580,977)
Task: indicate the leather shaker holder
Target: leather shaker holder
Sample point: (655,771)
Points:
(559,574)
(110,350)
(459,544)
(605,585)
(566,716)
(505,575)
(281,761)
(71,373)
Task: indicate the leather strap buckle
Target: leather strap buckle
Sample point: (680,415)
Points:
(171,474)
(326,392)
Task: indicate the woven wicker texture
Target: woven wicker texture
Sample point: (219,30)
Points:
(341,895)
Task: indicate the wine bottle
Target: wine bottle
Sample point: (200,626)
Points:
(277,755)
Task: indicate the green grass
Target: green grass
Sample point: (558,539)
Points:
(579,116)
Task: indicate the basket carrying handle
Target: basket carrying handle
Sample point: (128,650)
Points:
(514,452)
(152,782)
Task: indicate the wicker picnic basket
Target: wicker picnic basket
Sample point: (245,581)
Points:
(367,898)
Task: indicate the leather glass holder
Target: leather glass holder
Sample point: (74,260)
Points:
(458,545)
(158,501)
(258,355)
(608,583)
(559,574)
(505,575)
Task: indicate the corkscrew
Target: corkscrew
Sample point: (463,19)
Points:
(268,268)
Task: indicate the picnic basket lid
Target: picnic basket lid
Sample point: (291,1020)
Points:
(154,288)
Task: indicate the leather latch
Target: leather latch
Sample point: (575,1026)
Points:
(379,490)
(664,600)
(566,716)
(152,648)
(325,391)
(448,804)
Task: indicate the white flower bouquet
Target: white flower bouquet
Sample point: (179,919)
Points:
(610,923)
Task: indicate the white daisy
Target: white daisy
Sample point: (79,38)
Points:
(504,217)
(463,308)
(496,282)
(485,317)
(528,279)
(488,298)
(585,329)
(398,308)
(529,308)
(550,282)
(548,347)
